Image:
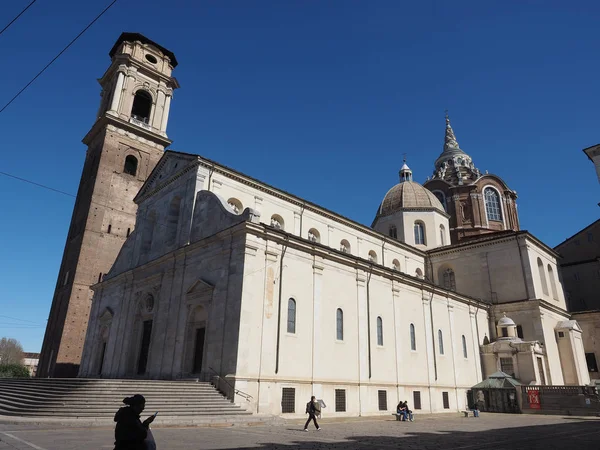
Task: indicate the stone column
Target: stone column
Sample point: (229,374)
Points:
(475,348)
(114,106)
(165,116)
(363,363)
(453,348)
(329,242)
(429,348)
(396,299)
(159,108)
(297,219)
(317,299)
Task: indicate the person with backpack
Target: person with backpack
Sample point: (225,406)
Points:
(313,409)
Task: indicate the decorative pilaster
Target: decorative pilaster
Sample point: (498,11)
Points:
(114,106)
(317,300)
(363,344)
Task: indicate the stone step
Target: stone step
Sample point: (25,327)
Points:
(73,398)
(104,393)
(18,402)
(74,382)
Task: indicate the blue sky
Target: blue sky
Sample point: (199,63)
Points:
(320,98)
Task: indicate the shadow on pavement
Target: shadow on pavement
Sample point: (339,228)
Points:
(581,434)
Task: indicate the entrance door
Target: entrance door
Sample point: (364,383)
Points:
(198,350)
(145,348)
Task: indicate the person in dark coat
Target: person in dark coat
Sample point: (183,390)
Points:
(130,431)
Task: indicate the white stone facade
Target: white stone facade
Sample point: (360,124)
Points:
(226,275)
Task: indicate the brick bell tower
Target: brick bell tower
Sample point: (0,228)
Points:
(124,144)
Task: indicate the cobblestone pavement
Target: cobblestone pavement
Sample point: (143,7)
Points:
(490,431)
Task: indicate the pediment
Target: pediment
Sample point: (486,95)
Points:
(200,287)
(169,166)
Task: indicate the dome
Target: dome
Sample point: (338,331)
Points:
(506,322)
(408,194)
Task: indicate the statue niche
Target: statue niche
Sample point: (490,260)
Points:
(465,211)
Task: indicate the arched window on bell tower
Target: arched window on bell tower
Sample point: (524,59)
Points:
(142,106)
(131,164)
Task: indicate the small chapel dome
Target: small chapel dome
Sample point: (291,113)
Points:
(408,194)
(506,322)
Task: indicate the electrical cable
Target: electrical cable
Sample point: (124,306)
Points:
(18,15)
(57,56)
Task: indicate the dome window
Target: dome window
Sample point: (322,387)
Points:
(393,232)
(492,204)
(419,229)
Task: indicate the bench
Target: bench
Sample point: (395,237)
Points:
(400,417)
(469,412)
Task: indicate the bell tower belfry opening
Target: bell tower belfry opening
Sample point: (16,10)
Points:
(125,143)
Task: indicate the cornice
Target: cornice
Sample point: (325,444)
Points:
(327,253)
(297,201)
(106,120)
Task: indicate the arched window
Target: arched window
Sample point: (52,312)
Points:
(372,256)
(345,246)
(396,265)
(314,235)
(492,204)
(442,235)
(131,164)
(419,273)
(449,280)
(441,197)
(236,205)
(464,343)
(277,221)
(393,232)
(419,233)
(173,220)
(142,105)
(291,320)
(379,331)
(552,282)
(540,265)
(339,324)
(441,342)
(413,338)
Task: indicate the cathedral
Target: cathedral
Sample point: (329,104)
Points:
(221,274)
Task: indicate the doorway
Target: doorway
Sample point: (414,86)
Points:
(199,349)
(145,347)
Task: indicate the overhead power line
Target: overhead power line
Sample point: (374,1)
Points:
(21,320)
(58,56)
(17,17)
(166,225)
(25,180)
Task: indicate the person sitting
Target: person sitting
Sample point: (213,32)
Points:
(407,412)
(473,407)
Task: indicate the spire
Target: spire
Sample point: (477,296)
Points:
(450,142)
(405,172)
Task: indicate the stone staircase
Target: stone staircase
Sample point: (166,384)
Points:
(79,398)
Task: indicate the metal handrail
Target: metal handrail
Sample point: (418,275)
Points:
(247,397)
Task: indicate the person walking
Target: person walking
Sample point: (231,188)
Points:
(130,431)
(313,409)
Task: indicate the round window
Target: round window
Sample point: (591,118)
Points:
(151,59)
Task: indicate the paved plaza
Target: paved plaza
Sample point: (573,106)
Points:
(490,431)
